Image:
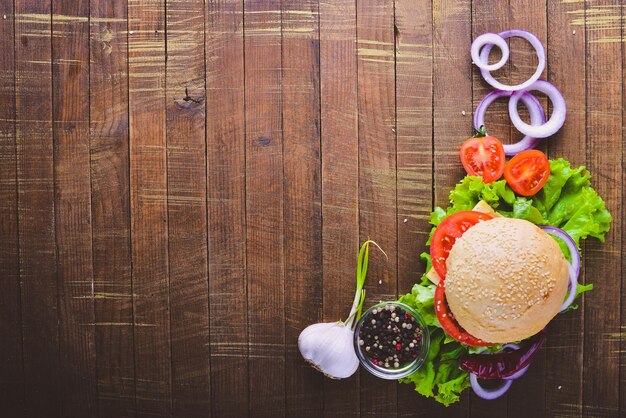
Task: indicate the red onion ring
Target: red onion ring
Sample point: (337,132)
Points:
(489,39)
(539,50)
(557,119)
(573,267)
(537,117)
(569,241)
(520,372)
(489,394)
(495,393)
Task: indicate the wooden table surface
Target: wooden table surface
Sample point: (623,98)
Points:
(184,185)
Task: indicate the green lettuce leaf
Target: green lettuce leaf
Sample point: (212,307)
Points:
(569,202)
(440,376)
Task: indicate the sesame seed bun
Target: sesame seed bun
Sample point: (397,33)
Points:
(506,280)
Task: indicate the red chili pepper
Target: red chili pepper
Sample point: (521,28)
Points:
(449,324)
(503,364)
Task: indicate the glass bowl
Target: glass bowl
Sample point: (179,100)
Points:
(389,328)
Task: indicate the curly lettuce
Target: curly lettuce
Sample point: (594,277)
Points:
(567,201)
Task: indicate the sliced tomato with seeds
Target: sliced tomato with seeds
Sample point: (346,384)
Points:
(446,234)
(527,172)
(483,156)
(449,324)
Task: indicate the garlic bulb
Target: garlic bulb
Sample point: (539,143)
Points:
(328,346)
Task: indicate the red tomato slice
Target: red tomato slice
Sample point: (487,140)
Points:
(447,233)
(484,157)
(449,324)
(527,172)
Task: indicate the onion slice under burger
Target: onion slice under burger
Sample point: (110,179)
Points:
(535,110)
(501,389)
(573,267)
(489,394)
(539,50)
(569,241)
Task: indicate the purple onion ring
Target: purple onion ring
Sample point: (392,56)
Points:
(489,39)
(520,372)
(539,50)
(537,117)
(573,267)
(489,394)
(569,241)
(557,119)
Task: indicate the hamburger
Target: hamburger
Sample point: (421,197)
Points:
(506,279)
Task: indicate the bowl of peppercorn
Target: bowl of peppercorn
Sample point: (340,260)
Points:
(391,340)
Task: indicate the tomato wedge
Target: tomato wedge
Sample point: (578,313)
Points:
(483,156)
(447,233)
(527,172)
(449,324)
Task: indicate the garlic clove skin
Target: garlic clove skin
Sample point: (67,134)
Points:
(329,347)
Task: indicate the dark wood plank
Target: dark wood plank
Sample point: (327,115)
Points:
(110,198)
(186,178)
(303,192)
(264,207)
(148,206)
(492,16)
(11,364)
(226,194)
(35,169)
(452,88)
(72,192)
(566,58)
(622,383)
(604,121)
(377,172)
(340,181)
(414,95)
(527,396)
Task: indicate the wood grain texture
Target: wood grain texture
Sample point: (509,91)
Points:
(72,191)
(377,172)
(226,197)
(452,91)
(491,17)
(35,170)
(11,361)
(340,181)
(302,193)
(622,374)
(264,207)
(110,204)
(149,207)
(184,185)
(186,206)
(413,129)
(604,120)
(529,15)
(564,347)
